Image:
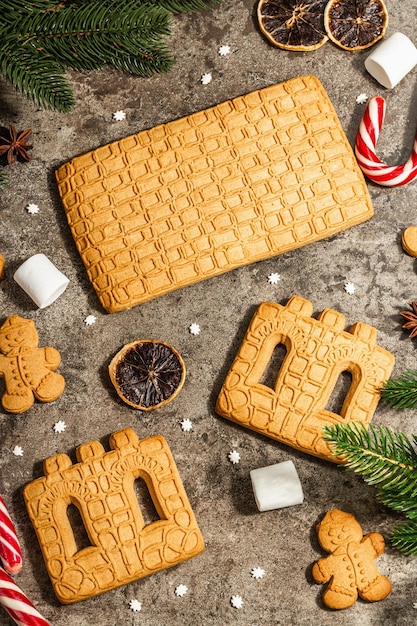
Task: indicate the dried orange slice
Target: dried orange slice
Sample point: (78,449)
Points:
(293,24)
(147,374)
(355,24)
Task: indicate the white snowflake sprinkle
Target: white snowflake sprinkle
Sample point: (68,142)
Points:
(181,590)
(414,605)
(350,288)
(60,426)
(194,328)
(206,78)
(90,320)
(224,50)
(236,602)
(257,572)
(119,116)
(32,208)
(274,278)
(18,451)
(234,457)
(135,605)
(186,425)
(362,98)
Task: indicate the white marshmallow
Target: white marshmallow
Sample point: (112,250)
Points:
(276,486)
(391,60)
(41,280)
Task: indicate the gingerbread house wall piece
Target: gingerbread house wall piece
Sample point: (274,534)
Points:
(101,485)
(185,201)
(317,352)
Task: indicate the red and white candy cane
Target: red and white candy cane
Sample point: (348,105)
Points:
(366,139)
(10,552)
(17,604)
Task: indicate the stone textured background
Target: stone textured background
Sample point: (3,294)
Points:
(237,536)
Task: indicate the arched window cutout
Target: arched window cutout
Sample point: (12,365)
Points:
(339,393)
(81,538)
(146,504)
(270,373)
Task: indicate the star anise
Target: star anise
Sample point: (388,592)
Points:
(15,145)
(411,316)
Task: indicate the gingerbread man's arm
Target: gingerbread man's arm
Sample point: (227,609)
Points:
(376,540)
(52,357)
(320,572)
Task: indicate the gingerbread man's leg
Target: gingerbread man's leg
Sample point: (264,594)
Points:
(18,399)
(50,388)
(376,590)
(338,597)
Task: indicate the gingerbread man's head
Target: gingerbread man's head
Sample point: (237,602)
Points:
(17,332)
(338,528)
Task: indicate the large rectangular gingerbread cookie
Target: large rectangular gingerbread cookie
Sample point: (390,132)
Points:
(245,180)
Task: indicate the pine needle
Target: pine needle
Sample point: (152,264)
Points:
(37,77)
(404,537)
(388,460)
(401,393)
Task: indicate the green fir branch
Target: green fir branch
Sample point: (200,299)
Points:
(89,36)
(36,76)
(186,6)
(10,10)
(387,460)
(401,393)
(40,39)
(404,537)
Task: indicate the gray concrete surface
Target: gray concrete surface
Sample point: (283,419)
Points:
(238,538)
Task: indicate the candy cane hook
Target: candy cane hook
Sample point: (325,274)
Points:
(366,139)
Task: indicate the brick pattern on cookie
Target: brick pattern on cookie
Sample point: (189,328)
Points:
(101,486)
(317,352)
(248,179)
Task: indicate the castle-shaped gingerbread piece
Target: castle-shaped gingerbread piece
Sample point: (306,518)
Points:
(318,351)
(101,485)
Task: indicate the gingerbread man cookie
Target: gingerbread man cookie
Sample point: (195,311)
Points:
(350,569)
(28,370)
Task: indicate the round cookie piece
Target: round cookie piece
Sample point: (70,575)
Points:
(409,240)
(147,374)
